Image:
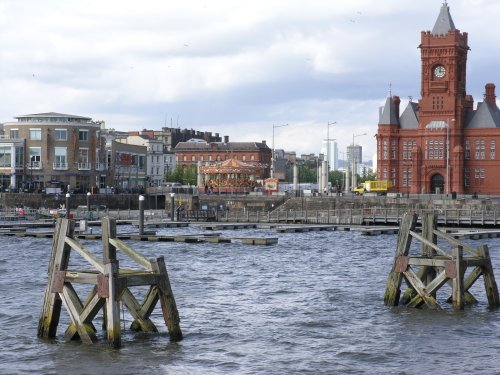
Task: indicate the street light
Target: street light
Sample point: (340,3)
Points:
(440,125)
(354,160)
(272,160)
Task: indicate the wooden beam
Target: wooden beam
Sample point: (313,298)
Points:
(59,259)
(131,253)
(73,305)
(167,300)
(490,284)
(141,322)
(431,245)
(393,285)
(87,255)
(419,287)
(458,280)
(108,232)
(455,242)
(113,305)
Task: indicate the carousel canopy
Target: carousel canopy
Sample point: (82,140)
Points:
(231,166)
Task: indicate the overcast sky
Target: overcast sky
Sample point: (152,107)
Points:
(232,67)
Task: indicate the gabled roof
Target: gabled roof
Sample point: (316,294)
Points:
(486,116)
(409,118)
(387,114)
(444,22)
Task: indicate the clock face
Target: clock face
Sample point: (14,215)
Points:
(439,71)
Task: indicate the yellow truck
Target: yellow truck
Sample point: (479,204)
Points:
(380,187)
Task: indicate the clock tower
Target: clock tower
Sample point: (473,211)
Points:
(444,59)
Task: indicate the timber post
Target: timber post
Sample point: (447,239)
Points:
(112,285)
(437,267)
(393,287)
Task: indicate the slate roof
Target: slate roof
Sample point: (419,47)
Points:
(387,113)
(231,146)
(485,116)
(409,118)
(444,22)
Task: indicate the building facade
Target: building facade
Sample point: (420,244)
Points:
(441,144)
(45,150)
(155,173)
(189,154)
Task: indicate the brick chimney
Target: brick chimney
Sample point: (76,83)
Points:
(397,101)
(490,96)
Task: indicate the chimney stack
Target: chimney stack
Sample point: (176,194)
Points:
(396,100)
(490,96)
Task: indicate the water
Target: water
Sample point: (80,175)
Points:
(313,304)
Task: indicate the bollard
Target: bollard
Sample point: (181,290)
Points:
(67,206)
(88,201)
(141,215)
(172,209)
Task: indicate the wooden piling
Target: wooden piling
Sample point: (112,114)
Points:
(393,287)
(436,267)
(111,286)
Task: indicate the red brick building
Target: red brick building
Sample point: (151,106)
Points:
(442,144)
(194,151)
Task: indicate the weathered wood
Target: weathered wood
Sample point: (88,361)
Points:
(113,305)
(167,300)
(430,290)
(393,286)
(419,287)
(141,321)
(490,284)
(458,281)
(131,253)
(87,255)
(108,232)
(59,259)
(91,307)
(73,305)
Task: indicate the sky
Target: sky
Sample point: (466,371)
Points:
(237,68)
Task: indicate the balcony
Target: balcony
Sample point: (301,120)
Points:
(84,166)
(34,165)
(60,166)
(100,166)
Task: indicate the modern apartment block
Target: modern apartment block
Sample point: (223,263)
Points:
(44,150)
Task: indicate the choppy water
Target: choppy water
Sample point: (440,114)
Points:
(313,304)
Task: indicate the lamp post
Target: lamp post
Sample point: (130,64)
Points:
(68,215)
(354,159)
(272,160)
(440,125)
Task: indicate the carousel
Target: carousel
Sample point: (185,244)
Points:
(230,176)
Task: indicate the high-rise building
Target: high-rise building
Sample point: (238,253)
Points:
(331,152)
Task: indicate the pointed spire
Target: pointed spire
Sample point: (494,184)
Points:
(444,22)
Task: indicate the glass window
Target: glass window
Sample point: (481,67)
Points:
(14,133)
(60,134)
(60,160)
(83,135)
(35,157)
(36,134)
(83,156)
(5,152)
